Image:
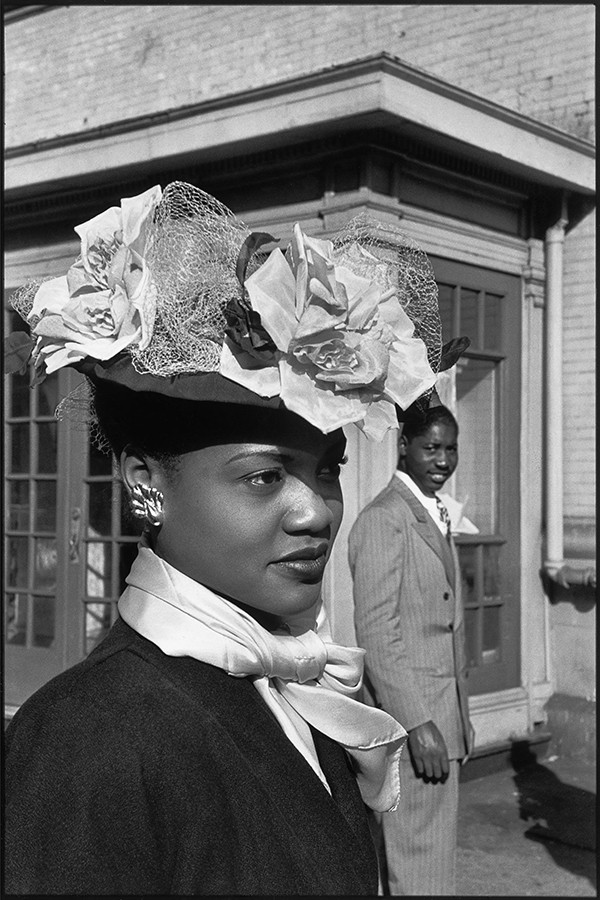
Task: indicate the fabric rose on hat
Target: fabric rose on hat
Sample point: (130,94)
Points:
(107,300)
(346,350)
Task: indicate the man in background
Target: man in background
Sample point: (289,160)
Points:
(409,619)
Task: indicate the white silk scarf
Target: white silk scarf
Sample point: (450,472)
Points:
(304,677)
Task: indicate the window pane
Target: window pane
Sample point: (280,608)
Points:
(18,505)
(492,327)
(100,509)
(127,554)
(19,396)
(47,447)
(19,435)
(45,564)
(98,569)
(446,293)
(16,619)
(471,616)
(469,320)
(97,623)
(47,396)
(17,569)
(475,477)
(490,650)
(45,506)
(468,562)
(491,574)
(99,463)
(43,621)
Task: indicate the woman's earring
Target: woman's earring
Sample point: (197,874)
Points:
(147,503)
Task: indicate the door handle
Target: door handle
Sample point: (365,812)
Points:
(74,534)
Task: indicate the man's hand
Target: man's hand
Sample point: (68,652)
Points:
(428,752)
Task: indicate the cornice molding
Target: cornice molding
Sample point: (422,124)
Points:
(414,157)
(372,92)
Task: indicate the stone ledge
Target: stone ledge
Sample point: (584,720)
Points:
(499,757)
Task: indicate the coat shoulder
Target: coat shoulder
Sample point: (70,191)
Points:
(388,506)
(116,696)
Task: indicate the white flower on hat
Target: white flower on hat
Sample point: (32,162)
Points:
(346,350)
(107,300)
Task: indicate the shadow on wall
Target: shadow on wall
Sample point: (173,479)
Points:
(563,816)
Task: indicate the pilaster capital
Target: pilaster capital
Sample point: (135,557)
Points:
(534,274)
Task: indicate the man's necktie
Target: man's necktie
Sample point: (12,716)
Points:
(444,517)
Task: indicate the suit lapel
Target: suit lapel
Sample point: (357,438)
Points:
(428,530)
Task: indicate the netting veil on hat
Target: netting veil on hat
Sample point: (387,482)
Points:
(171,285)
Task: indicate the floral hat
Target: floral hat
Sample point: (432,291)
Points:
(173,294)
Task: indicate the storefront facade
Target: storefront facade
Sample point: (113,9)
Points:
(482,188)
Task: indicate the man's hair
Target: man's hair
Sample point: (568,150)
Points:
(414,426)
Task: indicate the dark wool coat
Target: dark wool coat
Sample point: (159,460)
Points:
(139,773)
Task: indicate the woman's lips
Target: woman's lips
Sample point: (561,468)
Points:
(308,563)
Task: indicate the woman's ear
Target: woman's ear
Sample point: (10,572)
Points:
(402,444)
(136,468)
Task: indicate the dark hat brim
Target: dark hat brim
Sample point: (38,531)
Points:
(201,387)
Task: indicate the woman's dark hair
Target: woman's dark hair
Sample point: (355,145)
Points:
(414,426)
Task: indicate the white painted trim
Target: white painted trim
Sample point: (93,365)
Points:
(499,716)
(536,668)
(497,701)
(377,91)
(464,242)
(437,234)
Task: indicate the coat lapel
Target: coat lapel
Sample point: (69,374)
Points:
(428,530)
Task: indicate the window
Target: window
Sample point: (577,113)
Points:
(109,546)
(33,621)
(485,306)
(69,539)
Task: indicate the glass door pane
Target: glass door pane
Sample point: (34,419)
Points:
(33,634)
(485,306)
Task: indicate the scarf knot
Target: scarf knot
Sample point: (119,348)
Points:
(310,672)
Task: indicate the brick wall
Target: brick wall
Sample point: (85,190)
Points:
(579,349)
(78,67)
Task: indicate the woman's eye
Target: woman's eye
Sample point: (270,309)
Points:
(266,478)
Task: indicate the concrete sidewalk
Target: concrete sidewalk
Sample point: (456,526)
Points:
(529,830)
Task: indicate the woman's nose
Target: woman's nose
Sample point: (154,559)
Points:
(308,511)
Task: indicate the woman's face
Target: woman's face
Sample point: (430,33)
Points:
(256,521)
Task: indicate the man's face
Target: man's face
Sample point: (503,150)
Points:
(430,458)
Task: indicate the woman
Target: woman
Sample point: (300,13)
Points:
(211,744)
